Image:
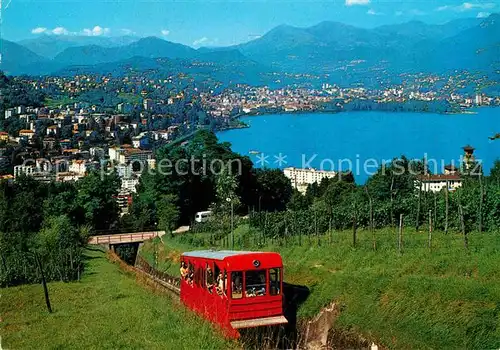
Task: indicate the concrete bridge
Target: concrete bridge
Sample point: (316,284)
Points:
(124,238)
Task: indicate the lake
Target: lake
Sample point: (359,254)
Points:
(360,141)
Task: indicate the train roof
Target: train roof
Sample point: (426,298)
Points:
(219,254)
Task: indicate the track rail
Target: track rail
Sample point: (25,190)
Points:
(164,279)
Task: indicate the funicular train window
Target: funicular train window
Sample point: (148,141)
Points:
(191,273)
(237,284)
(220,280)
(274,281)
(209,278)
(255,283)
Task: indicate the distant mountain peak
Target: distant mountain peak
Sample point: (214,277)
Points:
(416,21)
(150,38)
(50,46)
(151,47)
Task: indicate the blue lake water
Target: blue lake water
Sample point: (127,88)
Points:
(362,140)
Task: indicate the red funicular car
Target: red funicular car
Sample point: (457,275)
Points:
(234,289)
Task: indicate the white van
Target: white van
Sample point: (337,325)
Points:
(202,216)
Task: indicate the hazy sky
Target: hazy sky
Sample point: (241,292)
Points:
(217,23)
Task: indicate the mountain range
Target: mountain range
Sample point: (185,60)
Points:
(50,46)
(327,47)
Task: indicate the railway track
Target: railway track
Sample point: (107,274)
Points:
(164,279)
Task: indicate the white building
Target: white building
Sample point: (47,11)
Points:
(148,104)
(124,170)
(24,170)
(80,167)
(301,178)
(129,184)
(9,113)
(133,154)
(479,99)
(435,183)
(124,200)
(97,152)
(114,153)
(161,134)
(68,177)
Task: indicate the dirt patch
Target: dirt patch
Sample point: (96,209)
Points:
(348,339)
(321,333)
(317,330)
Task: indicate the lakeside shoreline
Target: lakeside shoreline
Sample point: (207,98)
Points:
(322,111)
(322,140)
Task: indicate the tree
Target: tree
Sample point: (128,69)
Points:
(168,213)
(274,188)
(59,246)
(225,187)
(298,201)
(495,173)
(96,195)
(61,201)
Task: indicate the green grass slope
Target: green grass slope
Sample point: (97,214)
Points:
(444,298)
(105,310)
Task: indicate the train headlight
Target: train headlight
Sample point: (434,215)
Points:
(256,263)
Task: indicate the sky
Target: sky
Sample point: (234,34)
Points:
(217,22)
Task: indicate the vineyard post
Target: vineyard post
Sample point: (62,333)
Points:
(430,230)
(447,208)
(300,231)
(310,232)
(419,204)
(330,231)
(435,208)
(286,229)
(462,222)
(264,234)
(315,223)
(481,200)
(370,202)
(316,227)
(354,226)
(232,224)
(392,200)
(400,235)
(156,253)
(44,282)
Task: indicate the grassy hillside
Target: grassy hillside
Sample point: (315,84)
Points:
(446,297)
(106,310)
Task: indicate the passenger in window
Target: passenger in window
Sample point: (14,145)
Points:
(210,279)
(190,275)
(236,285)
(255,283)
(220,284)
(184,271)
